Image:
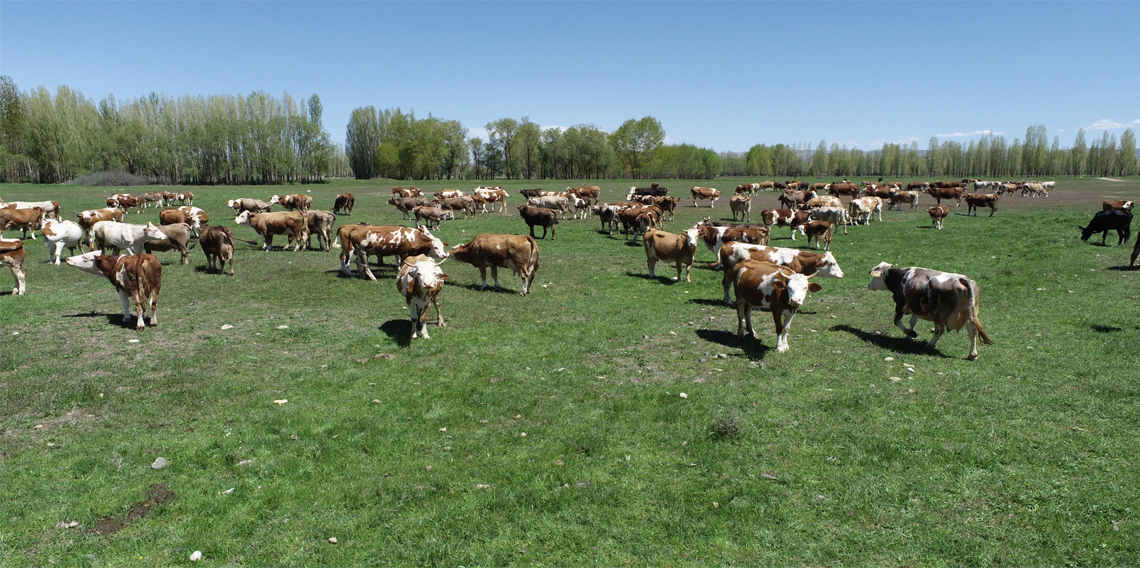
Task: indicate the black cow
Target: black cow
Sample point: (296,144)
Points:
(1105,221)
(528,193)
(539,216)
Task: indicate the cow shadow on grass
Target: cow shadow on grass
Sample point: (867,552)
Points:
(659,278)
(1124,268)
(753,348)
(478,287)
(115,319)
(902,345)
(400,330)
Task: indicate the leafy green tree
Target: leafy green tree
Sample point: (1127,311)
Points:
(362,142)
(635,141)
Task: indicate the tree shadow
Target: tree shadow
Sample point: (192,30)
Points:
(896,344)
(753,348)
(399,330)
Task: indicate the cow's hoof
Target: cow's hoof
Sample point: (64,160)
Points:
(910,333)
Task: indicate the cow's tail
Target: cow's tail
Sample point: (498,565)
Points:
(974,311)
(827,236)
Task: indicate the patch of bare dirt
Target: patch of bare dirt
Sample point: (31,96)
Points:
(157,494)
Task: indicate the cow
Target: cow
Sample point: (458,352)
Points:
(765,285)
(793,199)
(839,189)
(667,204)
(136,277)
(917,186)
(125,201)
(947,184)
(818,187)
(177,238)
(976,200)
(875,190)
(937,214)
(940,193)
(1033,189)
(1047,185)
(59,235)
(295,202)
(554,203)
(947,299)
(343,204)
(581,207)
(449,194)
(681,249)
(154,198)
(87,219)
(459,203)
(786,218)
(607,214)
(406,204)
(384,240)
(792,184)
(822,201)
(320,223)
(747,189)
(591,192)
(269,224)
(817,229)
(185,198)
(23,219)
(410,192)
(1111,204)
(519,253)
(714,236)
(637,220)
(492,195)
(218,244)
(862,208)
(655,190)
(420,280)
(698,192)
(51,208)
(123,236)
(170,216)
(741,205)
(1119,220)
(834,215)
(803,262)
(432,214)
(168,198)
(251,205)
(897,198)
(531,192)
(12,255)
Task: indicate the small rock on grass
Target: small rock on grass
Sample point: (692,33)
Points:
(159,463)
(196,556)
(332,539)
(227,326)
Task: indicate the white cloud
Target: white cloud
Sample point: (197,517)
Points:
(969,134)
(480,132)
(1111,124)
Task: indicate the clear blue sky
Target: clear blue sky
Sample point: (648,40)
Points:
(719,75)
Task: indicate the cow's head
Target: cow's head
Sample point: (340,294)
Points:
(242,218)
(85,262)
(797,286)
(437,246)
(690,237)
(232,204)
(152,233)
(275,200)
(878,276)
(827,267)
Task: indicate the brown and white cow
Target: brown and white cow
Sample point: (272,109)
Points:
(519,253)
(136,276)
(51,208)
(292,223)
(715,236)
(87,219)
(804,262)
(407,204)
(636,220)
(170,216)
(937,214)
(432,214)
(384,240)
(741,206)
(681,249)
(24,219)
(12,255)
(820,229)
(777,288)
(409,192)
(177,238)
(786,218)
(591,192)
(862,208)
(295,202)
(251,205)
(701,193)
(793,199)
(897,198)
(150,198)
(449,194)
(463,203)
(123,236)
(491,196)
(218,244)
(420,280)
(343,204)
(976,200)
(320,223)
(823,201)
(1111,204)
(949,300)
(59,235)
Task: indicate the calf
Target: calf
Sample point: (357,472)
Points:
(420,281)
(343,204)
(741,205)
(700,193)
(765,285)
(177,238)
(975,200)
(680,249)
(539,216)
(817,229)
(12,256)
(804,262)
(269,224)
(218,244)
(519,253)
(947,299)
(59,235)
(407,205)
(24,219)
(1119,220)
(138,277)
(1111,204)
(432,214)
(251,205)
(937,214)
(124,236)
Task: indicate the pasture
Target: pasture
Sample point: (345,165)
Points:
(551,429)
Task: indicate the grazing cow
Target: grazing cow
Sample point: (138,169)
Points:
(818,187)
(51,208)
(320,223)
(519,253)
(839,189)
(23,219)
(655,190)
(947,299)
(177,238)
(384,240)
(1119,220)
(862,208)
(786,218)
(343,204)
(295,202)
(269,224)
(1111,204)
(432,215)
(917,186)
(59,235)
(897,198)
(12,256)
(940,193)
(591,192)
(420,281)
(218,244)
(1033,189)
(765,285)
(834,215)
(822,201)
(793,199)
(532,216)
(817,229)
(681,249)
(714,236)
(251,205)
(154,198)
(937,214)
(636,220)
(553,202)
(947,184)
(125,201)
(449,194)
(709,193)
(170,216)
(803,262)
(407,204)
(410,192)
(876,190)
(528,193)
(87,219)
(196,217)
(137,277)
(608,215)
(462,202)
(741,205)
(975,200)
(124,236)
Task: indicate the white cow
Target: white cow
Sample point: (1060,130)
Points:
(836,215)
(125,236)
(554,202)
(59,235)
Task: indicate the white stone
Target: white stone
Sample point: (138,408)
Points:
(196,556)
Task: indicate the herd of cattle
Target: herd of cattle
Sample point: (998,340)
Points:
(774,278)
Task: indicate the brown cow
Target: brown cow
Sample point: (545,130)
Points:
(269,224)
(406,204)
(384,240)
(432,214)
(461,202)
(1111,204)
(87,219)
(251,205)
(24,219)
(638,219)
(667,204)
(177,238)
(532,216)
(975,200)
(516,252)
(218,244)
(817,229)
(137,277)
(295,202)
(937,214)
(793,199)
(590,192)
(714,236)
(698,192)
(681,249)
(170,216)
(777,288)
(12,256)
(741,205)
(844,189)
(320,223)
(940,193)
(343,204)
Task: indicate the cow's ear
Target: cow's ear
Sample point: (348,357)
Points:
(443,276)
(779,285)
(813,287)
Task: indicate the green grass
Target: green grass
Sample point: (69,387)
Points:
(1027,456)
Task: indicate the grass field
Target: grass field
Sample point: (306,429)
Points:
(551,429)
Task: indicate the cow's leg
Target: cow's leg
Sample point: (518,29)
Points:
(972,331)
(56,251)
(742,321)
(152,302)
(652,262)
(495,276)
(126,306)
(362,255)
(483,275)
(1104,236)
(939,329)
(438,313)
(414,315)
(899,307)
(678,278)
(782,330)
(268,237)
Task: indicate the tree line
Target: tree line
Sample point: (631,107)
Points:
(260,139)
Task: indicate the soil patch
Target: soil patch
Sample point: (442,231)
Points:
(158,493)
